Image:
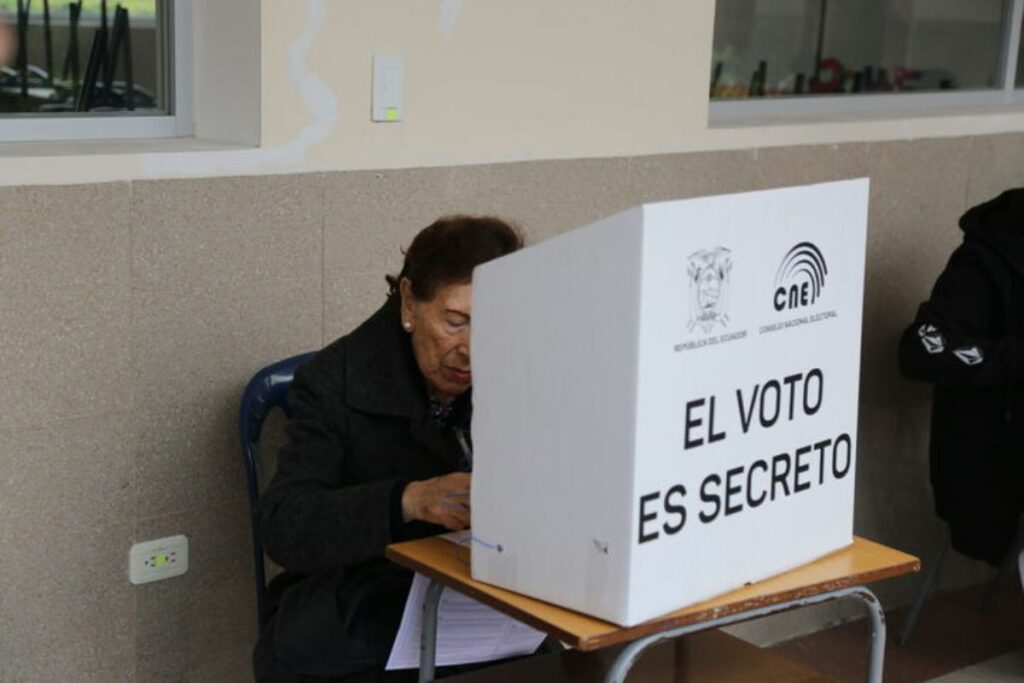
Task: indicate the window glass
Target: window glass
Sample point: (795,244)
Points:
(1020,58)
(69,58)
(828,47)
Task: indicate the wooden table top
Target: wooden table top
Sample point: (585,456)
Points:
(861,562)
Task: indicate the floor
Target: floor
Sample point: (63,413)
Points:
(1008,667)
(955,641)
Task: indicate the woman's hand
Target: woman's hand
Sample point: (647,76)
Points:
(441,500)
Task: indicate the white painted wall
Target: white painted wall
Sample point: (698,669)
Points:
(486,81)
(226,48)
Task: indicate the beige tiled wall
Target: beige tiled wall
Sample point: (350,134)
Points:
(131,316)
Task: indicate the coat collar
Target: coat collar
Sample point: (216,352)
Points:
(381,371)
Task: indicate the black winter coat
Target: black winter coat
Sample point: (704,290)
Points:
(361,429)
(968,339)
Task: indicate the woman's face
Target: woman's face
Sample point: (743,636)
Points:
(440,336)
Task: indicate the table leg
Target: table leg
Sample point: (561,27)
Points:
(876,655)
(876,651)
(428,632)
(924,590)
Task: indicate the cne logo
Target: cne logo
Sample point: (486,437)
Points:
(800,278)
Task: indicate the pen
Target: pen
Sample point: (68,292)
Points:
(467,452)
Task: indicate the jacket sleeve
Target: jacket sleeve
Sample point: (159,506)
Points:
(954,338)
(310,518)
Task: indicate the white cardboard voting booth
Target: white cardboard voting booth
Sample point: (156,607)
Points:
(665,401)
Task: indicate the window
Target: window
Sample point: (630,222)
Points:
(1020,55)
(93,69)
(835,55)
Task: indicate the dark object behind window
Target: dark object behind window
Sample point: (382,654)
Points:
(87,57)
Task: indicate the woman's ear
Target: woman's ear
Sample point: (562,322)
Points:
(405,291)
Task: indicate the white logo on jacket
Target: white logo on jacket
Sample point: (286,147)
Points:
(931,339)
(970,355)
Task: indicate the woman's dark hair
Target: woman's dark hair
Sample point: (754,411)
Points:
(446,252)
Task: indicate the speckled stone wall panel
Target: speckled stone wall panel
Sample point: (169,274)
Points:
(918,192)
(789,166)
(681,176)
(66,607)
(545,198)
(233,665)
(369,217)
(64,269)
(996,164)
(372,215)
(207,617)
(226,278)
(353,299)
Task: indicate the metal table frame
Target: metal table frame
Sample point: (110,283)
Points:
(628,656)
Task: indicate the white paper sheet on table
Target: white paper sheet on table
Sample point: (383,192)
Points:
(467,631)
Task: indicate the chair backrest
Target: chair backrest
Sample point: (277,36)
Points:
(268,389)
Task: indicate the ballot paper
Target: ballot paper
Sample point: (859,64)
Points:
(463,538)
(467,631)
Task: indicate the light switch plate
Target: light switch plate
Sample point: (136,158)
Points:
(388,86)
(158,559)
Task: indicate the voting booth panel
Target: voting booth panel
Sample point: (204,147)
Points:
(665,401)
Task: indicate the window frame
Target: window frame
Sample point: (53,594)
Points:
(762,109)
(179,123)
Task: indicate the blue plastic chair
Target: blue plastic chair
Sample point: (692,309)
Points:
(268,389)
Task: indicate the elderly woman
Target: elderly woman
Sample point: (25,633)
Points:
(373,457)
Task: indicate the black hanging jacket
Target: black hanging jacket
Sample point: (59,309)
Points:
(968,340)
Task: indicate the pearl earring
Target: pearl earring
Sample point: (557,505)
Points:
(407,325)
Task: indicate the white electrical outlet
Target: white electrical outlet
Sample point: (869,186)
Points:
(159,559)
